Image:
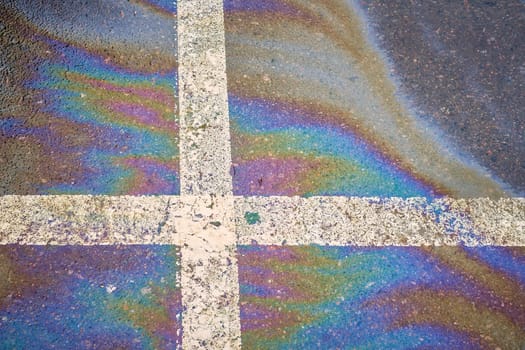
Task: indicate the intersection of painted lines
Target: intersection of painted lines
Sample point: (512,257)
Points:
(355,221)
(272,239)
(244,268)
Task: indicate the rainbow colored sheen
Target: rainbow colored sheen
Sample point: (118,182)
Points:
(381,297)
(95,111)
(315,110)
(136,147)
(295,152)
(90,297)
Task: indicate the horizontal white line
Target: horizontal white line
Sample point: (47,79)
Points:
(100,220)
(378,222)
(89,220)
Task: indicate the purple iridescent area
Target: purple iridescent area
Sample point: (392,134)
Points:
(89,297)
(308,297)
(90,104)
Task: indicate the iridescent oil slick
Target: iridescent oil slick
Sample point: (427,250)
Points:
(315,109)
(461,66)
(90,297)
(89,96)
(312,297)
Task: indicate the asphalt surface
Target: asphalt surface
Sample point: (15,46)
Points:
(462,66)
(376,98)
(88,102)
(353,98)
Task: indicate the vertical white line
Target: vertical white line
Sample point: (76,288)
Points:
(209,281)
(205,132)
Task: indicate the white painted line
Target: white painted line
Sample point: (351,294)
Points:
(205,153)
(209,277)
(88,220)
(379,222)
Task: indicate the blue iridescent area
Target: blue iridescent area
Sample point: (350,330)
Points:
(392,297)
(89,297)
(91,98)
(362,169)
(316,108)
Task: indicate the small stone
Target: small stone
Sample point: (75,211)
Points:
(110,288)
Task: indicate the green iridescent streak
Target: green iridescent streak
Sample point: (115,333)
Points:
(147,311)
(73,82)
(327,176)
(321,278)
